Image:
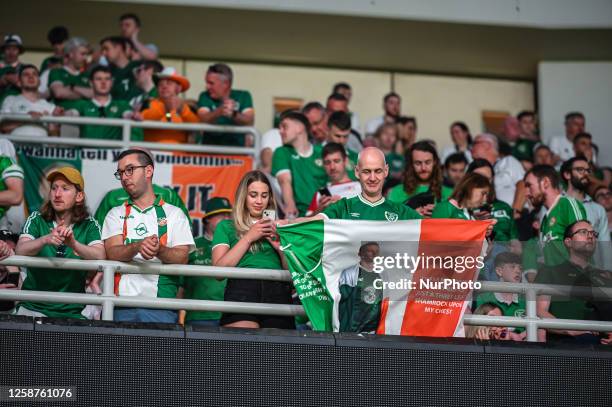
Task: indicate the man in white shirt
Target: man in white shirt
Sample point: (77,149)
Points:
(392,104)
(563,146)
(509,172)
(29,102)
(145,229)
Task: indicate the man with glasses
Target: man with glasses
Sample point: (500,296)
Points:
(103,105)
(145,229)
(542,188)
(576,173)
(61,228)
(580,240)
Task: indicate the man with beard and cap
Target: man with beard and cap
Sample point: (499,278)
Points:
(542,188)
(580,240)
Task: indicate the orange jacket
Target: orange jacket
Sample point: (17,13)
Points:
(157,111)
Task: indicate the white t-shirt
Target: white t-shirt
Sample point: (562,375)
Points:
(561,146)
(271,139)
(373,124)
(141,224)
(508,171)
(17,104)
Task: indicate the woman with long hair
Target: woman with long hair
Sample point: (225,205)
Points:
(462,141)
(249,240)
(469,197)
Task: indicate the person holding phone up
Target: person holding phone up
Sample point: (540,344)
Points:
(249,240)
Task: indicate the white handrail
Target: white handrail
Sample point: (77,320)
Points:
(108,300)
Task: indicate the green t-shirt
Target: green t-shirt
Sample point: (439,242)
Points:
(562,213)
(446,210)
(203,288)
(307,173)
(243,101)
(514,309)
(55,279)
(395,162)
(45,63)
(358,208)
(124,83)
(263,257)
(8,169)
(505,229)
(397,194)
(115,109)
(118,196)
(566,274)
(67,78)
(359,307)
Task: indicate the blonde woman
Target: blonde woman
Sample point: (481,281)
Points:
(249,240)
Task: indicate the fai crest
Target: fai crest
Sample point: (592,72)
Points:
(162,222)
(391,216)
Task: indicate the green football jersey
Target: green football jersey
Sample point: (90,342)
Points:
(124,83)
(118,196)
(115,109)
(523,150)
(395,162)
(505,229)
(86,232)
(67,78)
(358,208)
(203,288)
(8,169)
(262,257)
(243,101)
(359,307)
(307,173)
(399,195)
(559,216)
(446,210)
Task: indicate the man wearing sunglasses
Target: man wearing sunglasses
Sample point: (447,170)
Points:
(102,105)
(145,229)
(61,228)
(580,239)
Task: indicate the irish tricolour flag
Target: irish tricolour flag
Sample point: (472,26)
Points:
(419,274)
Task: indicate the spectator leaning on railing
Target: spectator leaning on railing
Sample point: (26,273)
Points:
(145,229)
(69,82)
(29,102)
(249,240)
(220,104)
(580,240)
(103,105)
(169,107)
(62,228)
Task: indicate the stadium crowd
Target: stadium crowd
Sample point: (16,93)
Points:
(551,204)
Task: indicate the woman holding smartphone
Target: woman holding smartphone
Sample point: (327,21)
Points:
(249,240)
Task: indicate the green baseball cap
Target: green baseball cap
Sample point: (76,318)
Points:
(215,206)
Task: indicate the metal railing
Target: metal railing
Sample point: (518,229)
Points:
(127,126)
(108,300)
